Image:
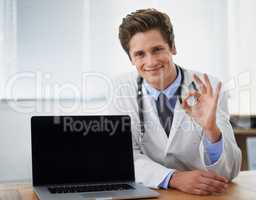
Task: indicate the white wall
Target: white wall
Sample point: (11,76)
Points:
(51,39)
(8,42)
(241,56)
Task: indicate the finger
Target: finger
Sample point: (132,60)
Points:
(208,84)
(191,94)
(213,175)
(217,91)
(188,102)
(216,185)
(217,176)
(210,188)
(200,192)
(186,107)
(202,87)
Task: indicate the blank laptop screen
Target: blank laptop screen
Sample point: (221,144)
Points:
(81,149)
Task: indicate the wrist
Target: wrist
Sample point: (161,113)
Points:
(173,179)
(213,134)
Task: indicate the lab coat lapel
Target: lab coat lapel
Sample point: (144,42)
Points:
(179,112)
(158,132)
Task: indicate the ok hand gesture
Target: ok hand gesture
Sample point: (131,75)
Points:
(204,110)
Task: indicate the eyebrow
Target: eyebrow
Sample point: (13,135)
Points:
(137,52)
(158,46)
(152,48)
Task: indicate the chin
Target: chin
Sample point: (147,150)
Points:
(153,80)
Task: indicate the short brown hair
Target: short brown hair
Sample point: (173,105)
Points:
(144,20)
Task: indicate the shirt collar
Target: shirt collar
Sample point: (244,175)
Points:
(169,91)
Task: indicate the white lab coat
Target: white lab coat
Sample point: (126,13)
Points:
(184,149)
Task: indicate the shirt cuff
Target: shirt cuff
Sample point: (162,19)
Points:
(165,183)
(213,150)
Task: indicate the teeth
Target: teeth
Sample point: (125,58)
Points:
(154,69)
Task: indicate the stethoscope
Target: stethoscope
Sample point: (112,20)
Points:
(140,99)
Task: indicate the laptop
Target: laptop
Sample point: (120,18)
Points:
(84,157)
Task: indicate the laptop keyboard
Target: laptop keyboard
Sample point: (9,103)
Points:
(89,188)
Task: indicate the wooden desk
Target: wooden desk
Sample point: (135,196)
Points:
(243,187)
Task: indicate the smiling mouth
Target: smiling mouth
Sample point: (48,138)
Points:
(153,69)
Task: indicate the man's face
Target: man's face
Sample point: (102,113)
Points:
(152,57)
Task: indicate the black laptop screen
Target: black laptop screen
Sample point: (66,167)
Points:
(81,149)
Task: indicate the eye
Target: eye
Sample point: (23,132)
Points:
(158,49)
(139,54)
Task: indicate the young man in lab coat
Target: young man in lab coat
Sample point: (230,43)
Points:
(198,154)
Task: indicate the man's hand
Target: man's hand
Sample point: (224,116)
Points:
(199,182)
(204,111)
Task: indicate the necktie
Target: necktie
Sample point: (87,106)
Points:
(164,112)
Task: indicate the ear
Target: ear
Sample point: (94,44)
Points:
(173,50)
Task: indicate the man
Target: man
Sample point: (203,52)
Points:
(182,137)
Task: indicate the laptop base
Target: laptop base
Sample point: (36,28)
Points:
(139,191)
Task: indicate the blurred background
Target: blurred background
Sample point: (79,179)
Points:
(60,57)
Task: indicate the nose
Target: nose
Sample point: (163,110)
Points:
(151,61)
